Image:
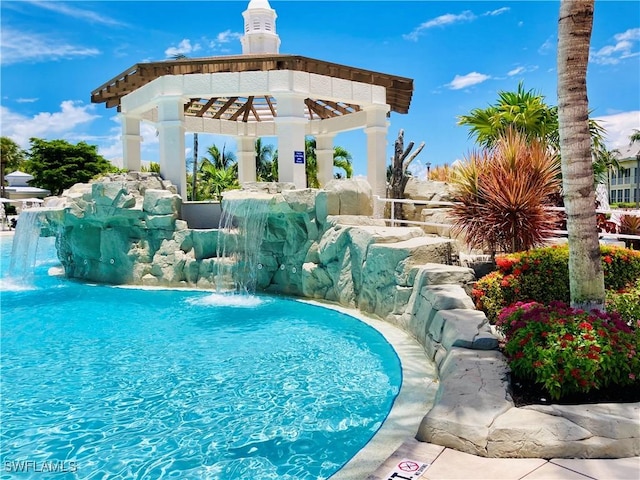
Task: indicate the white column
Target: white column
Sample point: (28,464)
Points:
(246,159)
(376,131)
(171,136)
(324,155)
(290,126)
(131,140)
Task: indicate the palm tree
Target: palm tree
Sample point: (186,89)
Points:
(527,112)
(11,158)
(605,161)
(341,159)
(222,159)
(524,110)
(216,180)
(264,162)
(194,175)
(633,138)
(311,162)
(586,277)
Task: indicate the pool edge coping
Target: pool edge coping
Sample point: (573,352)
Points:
(415,399)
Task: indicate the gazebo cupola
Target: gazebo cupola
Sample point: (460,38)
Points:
(260,29)
(261,93)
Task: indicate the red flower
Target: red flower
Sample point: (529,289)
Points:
(568,337)
(608,259)
(585,326)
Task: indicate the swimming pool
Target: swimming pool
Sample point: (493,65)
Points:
(134,383)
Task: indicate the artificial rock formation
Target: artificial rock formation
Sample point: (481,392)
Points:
(324,244)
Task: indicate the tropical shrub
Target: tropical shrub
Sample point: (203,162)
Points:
(542,275)
(502,195)
(626,303)
(440,173)
(570,351)
(630,225)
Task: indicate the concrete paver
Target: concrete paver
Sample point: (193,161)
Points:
(603,469)
(449,464)
(452,464)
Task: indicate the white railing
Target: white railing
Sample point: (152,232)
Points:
(395,221)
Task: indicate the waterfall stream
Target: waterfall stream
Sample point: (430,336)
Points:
(241,231)
(25,244)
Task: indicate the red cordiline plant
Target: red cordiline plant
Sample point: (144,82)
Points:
(502,195)
(569,351)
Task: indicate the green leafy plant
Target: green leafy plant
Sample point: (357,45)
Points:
(542,275)
(625,302)
(567,350)
(502,194)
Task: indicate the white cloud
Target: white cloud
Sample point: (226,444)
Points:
(515,71)
(499,11)
(45,124)
(27,100)
(20,47)
(220,44)
(74,12)
(623,48)
(183,48)
(227,36)
(549,45)
(619,126)
(463,81)
(442,20)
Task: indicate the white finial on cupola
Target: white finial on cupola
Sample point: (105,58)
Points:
(259,29)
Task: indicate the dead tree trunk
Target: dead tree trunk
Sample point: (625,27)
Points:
(400,162)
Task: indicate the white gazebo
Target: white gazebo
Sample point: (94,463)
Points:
(20,190)
(260,93)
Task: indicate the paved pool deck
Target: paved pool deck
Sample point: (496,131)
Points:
(395,441)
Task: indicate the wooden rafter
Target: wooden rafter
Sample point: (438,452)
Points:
(225,107)
(322,111)
(191,101)
(336,107)
(273,110)
(206,106)
(247,109)
(255,113)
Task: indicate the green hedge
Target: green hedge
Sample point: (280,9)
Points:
(542,275)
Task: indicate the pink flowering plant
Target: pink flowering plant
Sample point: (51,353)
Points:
(570,351)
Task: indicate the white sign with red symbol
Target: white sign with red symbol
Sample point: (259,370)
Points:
(408,470)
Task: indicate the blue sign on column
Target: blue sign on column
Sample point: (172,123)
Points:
(298,157)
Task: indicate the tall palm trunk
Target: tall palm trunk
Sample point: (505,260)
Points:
(194,180)
(586,278)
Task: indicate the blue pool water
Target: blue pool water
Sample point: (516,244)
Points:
(127,383)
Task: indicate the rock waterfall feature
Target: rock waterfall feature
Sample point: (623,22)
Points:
(324,244)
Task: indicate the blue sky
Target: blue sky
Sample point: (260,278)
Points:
(459,53)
